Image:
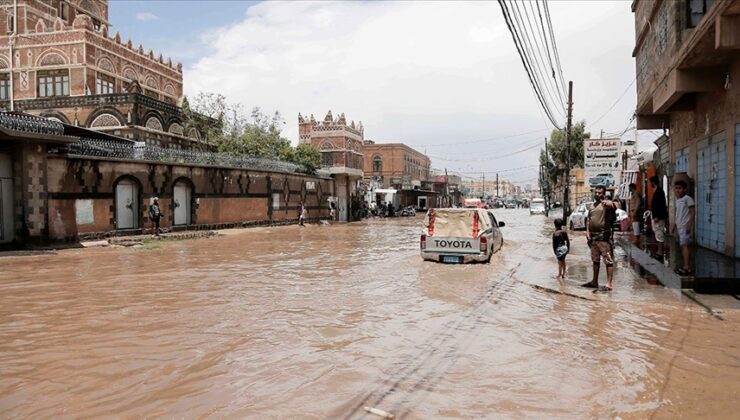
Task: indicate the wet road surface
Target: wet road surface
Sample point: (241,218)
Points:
(322,321)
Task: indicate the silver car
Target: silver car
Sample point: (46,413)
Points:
(577,219)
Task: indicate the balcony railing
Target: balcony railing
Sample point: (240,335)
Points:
(55,102)
(136,151)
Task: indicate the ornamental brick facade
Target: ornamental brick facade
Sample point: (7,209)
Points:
(66,66)
(340,143)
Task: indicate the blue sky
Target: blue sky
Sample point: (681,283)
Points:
(173,28)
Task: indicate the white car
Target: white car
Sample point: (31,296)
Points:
(537,206)
(460,235)
(577,219)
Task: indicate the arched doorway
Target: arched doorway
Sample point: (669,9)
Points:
(7,230)
(182,197)
(127,204)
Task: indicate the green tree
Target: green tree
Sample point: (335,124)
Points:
(554,162)
(259,135)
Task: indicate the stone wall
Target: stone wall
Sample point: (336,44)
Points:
(82,196)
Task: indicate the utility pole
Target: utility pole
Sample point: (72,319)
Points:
(484,187)
(568,129)
(497,195)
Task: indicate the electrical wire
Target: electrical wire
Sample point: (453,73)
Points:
(525,62)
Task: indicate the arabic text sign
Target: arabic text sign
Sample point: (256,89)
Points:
(602,161)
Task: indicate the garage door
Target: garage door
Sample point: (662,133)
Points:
(711,193)
(737,191)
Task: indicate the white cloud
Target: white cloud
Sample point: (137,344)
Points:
(146,16)
(423,73)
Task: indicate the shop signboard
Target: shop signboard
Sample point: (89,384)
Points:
(602,162)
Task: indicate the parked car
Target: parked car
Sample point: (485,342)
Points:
(537,206)
(577,219)
(460,235)
(602,180)
(511,204)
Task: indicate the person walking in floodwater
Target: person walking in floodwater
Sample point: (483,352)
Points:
(302,215)
(155,215)
(560,246)
(599,238)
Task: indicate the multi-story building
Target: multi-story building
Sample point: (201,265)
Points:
(688,84)
(396,165)
(341,156)
(58,60)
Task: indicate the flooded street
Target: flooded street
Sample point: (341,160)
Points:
(322,321)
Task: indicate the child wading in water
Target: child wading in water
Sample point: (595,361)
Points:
(561,246)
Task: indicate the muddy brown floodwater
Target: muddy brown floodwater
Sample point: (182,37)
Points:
(322,321)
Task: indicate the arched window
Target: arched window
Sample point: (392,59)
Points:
(377,163)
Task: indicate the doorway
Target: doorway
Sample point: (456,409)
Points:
(127,205)
(7,231)
(182,197)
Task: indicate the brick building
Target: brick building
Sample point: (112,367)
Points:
(341,156)
(688,84)
(400,167)
(66,66)
(396,165)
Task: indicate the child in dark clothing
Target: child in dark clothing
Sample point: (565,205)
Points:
(560,246)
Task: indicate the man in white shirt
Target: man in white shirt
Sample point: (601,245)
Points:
(684,223)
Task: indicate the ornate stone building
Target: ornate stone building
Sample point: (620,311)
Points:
(341,156)
(66,66)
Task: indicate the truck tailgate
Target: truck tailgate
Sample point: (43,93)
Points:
(452,245)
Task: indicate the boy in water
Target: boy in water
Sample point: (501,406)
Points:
(560,246)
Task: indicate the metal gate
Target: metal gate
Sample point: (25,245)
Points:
(182,196)
(127,206)
(711,192)
(7,231)
(682,161)
(737,191)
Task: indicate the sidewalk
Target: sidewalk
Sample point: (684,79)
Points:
(713,272)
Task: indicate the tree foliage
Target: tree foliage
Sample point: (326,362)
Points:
(258,134)
(554,161)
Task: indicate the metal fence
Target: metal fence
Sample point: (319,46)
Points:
(140,151)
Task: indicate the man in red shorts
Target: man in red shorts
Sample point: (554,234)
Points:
(599,236)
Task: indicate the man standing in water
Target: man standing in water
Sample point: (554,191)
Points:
(155,214)
(635,205)
(599,236)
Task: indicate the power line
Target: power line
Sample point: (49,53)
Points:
(489,158)
(537,53)
(482,141)
(525,62)
(554,44)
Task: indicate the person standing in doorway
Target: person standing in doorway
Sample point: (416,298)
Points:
(155,215)
(685,211)
(635,206)
(659,212)
(599,238)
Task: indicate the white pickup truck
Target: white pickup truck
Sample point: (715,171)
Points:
(460,235)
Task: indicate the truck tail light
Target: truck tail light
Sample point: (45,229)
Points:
(431,222)
(423,242)
(483,244)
